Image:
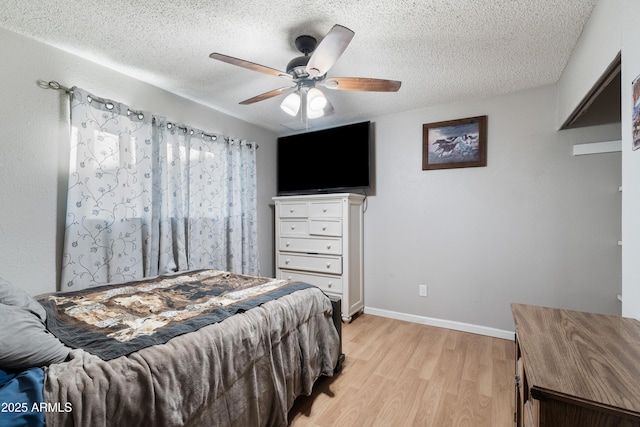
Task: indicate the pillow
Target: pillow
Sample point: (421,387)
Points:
(25,342)
(12,295)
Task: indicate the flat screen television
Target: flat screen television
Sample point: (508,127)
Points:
(325,161)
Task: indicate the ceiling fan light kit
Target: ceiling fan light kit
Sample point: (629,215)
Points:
(291,104)
(312,100)
(310,70)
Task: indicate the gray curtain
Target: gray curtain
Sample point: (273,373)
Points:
(147,196)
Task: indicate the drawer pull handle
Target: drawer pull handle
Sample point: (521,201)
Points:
(293,227)
(287,261)
(324,228)
(287,244)
(289,278)
(329,284)
(328,246)
(292,210)
(324,210)
(328,265)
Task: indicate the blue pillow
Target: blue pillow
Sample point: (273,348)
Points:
(19,391)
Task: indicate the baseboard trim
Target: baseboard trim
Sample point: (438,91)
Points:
(449,324)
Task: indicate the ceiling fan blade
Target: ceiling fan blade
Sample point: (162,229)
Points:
(249,65)
(329,50)
(268,95)
(361,84)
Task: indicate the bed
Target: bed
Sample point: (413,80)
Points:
(200,348)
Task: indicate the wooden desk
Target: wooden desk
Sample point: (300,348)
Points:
(576,369)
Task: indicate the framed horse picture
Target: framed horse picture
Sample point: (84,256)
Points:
(458,143)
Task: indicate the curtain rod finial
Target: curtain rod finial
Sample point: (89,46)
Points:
(53,85)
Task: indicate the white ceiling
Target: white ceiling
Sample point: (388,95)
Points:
(442,50)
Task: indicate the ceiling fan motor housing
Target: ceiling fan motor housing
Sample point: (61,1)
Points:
(297,66)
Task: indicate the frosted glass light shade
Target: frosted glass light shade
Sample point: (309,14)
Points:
(316,100)
(314,114)
(291,104)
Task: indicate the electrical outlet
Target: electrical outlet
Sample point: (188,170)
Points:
(423,290)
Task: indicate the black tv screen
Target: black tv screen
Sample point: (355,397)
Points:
(327,160)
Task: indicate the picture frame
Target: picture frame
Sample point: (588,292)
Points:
(635,114)
(460,143)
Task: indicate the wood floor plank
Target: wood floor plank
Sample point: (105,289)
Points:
(484,379)
(430,346)
(396,401)
(394,363)
(405,374)
(503,395)
(473,357)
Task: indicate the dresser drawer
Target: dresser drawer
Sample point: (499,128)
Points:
(317,263)
(325,282)
(325,209)
(325,227)
(329,246)
(293,210)
(294,227)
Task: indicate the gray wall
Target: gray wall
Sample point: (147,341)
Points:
(537,225)
(34,152)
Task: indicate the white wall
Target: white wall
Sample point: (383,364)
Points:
(537,225)
(34,152)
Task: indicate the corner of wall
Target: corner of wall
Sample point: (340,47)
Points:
(598,46)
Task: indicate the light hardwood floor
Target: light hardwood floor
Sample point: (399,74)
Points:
(404,374)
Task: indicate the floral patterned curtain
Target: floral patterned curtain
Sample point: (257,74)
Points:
(208,209)
(147,196)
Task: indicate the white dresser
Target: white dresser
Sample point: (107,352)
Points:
(319,241)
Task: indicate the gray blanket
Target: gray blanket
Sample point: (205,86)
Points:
(244,371)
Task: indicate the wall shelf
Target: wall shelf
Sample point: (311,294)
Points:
(597,148)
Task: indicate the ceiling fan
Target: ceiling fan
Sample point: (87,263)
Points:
(309,71)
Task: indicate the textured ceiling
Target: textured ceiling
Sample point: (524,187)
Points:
(442,50)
